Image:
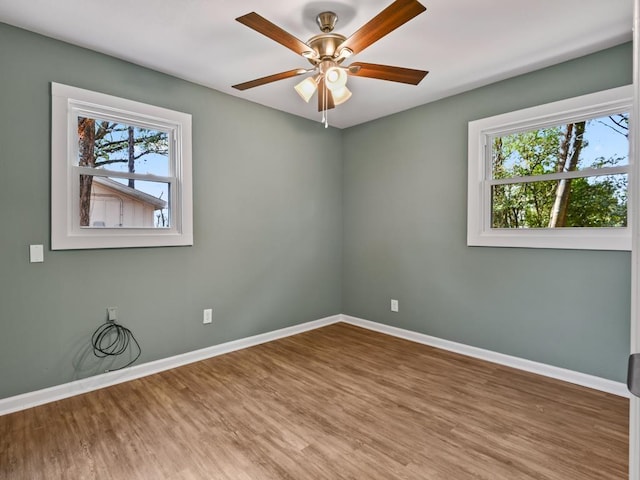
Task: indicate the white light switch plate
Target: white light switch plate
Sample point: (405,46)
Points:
(36,253)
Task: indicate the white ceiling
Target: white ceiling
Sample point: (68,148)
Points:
(463,43)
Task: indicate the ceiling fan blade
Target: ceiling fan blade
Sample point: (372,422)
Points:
(274,32)
(325,98)
(392,17)
(387,72)
(271,78)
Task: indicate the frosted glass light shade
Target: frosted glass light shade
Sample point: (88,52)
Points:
(307,88)
(340,95)
(335,78)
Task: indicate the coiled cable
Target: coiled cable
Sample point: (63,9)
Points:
(111,339)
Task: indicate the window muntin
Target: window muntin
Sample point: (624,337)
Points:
(536,172)
(121,172)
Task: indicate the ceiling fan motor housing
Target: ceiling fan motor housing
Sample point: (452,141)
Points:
(325,46)
(326,21)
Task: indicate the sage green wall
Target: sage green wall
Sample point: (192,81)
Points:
(267,223)
(272,217)
(405,194)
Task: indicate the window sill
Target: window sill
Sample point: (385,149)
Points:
(572,238)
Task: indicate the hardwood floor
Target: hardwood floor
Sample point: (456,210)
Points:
(334,403)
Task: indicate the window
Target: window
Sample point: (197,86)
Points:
(552,176)
(121,172)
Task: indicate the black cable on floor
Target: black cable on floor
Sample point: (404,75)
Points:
(112,339)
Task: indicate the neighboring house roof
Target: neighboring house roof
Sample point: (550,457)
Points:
(157,203)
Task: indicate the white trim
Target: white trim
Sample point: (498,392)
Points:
(77,387)
(479,230)
(67,103)
(587,172)
(570,376)
(634,137)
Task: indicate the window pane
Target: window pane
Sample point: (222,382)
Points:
(122,148)
(596,143)
(119,202)
(580,202)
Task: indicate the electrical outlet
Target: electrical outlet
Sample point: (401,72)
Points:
(112,314)
(394,305)
(207,316)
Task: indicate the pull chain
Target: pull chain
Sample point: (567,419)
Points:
(325,111)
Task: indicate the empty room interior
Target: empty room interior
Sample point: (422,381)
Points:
(421,269)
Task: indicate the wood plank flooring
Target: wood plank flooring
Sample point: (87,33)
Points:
(339,402)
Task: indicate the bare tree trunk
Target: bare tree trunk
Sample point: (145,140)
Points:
(132,166)
(572,142)
(87,141)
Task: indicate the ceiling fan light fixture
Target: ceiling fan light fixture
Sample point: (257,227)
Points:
(343,54)
(341,95)
(307,88)
(335,78)
(327,50)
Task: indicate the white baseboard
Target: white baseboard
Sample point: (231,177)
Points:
(590,381)
(77,387)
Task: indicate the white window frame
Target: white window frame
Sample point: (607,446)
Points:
(67,104)
(481,133)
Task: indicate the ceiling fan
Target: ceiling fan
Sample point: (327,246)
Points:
(327,51)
